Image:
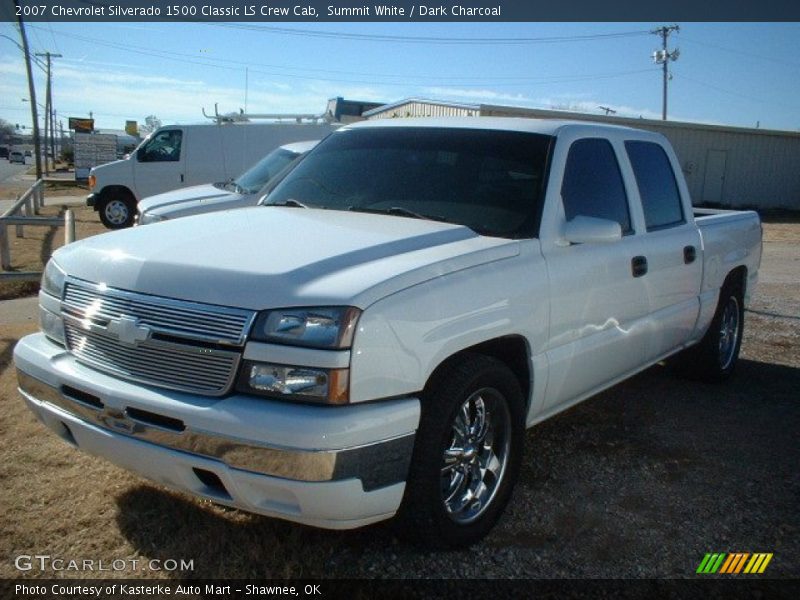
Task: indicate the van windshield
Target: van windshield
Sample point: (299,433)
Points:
(252,180)
(490,181)
(161,146)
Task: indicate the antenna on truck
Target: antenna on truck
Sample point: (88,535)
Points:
(243,117)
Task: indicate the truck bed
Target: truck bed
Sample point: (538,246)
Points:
(729,237)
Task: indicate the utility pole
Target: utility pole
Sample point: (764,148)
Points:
(662,57)
(32,92)
(49,126)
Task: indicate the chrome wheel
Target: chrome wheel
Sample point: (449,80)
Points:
(728,333)
(476,456)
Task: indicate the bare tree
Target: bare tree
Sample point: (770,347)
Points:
(8,134)
(151,123)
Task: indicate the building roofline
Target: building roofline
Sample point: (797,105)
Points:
(580,116)
(392,105)
(634,122)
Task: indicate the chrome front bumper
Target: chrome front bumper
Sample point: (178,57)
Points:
(336,467)
(376,465)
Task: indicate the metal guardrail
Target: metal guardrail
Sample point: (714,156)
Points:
(29,204)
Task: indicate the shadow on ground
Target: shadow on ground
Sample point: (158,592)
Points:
(640,481)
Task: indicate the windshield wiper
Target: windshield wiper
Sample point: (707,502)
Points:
(398,211)
(290,202)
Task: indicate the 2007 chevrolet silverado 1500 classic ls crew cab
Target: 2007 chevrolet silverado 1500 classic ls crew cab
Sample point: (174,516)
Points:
(376,336)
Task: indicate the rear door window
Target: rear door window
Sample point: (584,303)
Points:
(658,189)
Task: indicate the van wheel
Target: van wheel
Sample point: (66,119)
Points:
(714,358)
(466,455)
(117,211)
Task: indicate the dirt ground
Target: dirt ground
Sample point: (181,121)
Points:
(640,481)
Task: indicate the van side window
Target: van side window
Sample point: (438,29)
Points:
(593,185)
(658,189)
(165,146)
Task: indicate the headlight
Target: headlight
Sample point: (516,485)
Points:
(330,327)
(52,285)
(308,384)
(53,279)
(146,218)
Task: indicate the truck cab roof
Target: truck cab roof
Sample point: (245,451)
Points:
(552,127)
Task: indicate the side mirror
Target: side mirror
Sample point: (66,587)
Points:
(582,230)
(141,155)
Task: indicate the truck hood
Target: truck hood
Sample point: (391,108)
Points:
(185,198)
(268,257)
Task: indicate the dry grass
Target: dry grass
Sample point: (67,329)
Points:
(31,252)
(781,232)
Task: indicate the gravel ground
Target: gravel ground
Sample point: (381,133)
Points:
(642,480)
(639,482)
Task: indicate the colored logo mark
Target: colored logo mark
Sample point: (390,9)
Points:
(734,563)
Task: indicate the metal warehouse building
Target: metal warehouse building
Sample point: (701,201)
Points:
(724,166)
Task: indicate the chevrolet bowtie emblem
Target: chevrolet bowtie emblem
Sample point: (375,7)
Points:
(128,330)
(114,418)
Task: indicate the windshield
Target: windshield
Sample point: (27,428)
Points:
(163,145)
(488,180)
(252,180)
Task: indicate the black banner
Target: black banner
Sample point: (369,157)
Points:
(397,10)
(441,589)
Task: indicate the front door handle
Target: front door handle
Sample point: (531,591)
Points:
(689,254)
(639,266)
(181,177)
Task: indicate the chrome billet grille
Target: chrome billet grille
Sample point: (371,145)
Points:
(176,366)
(214,324)
(157,341)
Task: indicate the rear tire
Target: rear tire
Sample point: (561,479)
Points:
(714,358)
(467,453)
(117,211)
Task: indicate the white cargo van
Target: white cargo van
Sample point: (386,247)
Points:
(245,190)
(178,156)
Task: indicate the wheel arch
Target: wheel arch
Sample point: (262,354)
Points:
(737,275)
(511,350)
(110,190)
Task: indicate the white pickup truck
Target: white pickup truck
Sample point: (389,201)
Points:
(374,339)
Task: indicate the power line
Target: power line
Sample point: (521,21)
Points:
(733,93)
(742,52)
(452,80)
(53,37)
(431,39)
(35,60)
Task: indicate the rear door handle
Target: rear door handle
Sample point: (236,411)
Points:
(639,266)
(689,254)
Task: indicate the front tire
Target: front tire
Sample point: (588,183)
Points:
(117,211)
(467,453)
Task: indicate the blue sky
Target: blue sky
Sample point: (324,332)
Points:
(728,73)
